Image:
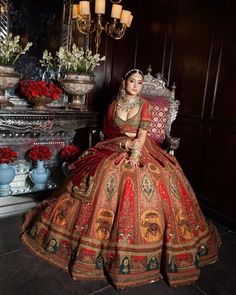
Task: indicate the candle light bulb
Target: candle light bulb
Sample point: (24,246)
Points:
(116,11)
(85,7)
(100,6)
(130,20)
(124,19)
(76,10)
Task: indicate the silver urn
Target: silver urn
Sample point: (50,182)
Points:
(78,86)
(8,79)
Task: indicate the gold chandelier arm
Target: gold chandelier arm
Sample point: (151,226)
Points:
(99,29)
(115,30)
(121,20)
(116,2)
(85,25)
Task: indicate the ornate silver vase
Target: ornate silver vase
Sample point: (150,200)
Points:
(78,86)
(8,79)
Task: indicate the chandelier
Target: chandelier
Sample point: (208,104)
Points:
(120,20)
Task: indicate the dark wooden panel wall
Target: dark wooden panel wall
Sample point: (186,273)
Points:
(192,42)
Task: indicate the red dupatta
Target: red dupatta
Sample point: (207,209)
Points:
(87,165)
(110,129)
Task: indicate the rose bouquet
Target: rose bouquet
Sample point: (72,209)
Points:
(69,153)
(39,152)
(7,155)
(32,89)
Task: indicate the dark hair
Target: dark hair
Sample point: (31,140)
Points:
(131,72)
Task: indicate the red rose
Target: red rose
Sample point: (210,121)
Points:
(35,88)
(7,155)
(34,93)
(39,152)
(69,153)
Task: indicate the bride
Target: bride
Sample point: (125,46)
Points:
(127,212)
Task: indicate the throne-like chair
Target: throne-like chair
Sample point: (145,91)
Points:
(164,110)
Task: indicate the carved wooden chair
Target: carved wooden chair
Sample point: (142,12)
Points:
(164,109)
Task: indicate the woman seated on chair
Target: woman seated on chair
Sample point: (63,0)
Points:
(127,212)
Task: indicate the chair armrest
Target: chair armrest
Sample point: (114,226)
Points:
(172,144)
(101,135)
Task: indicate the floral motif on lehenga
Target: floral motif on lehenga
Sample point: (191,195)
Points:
(174,188)
(147,187)
(111,186)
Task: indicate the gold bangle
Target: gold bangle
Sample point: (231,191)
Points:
(126,147)
(135,154)
(137,145)
(123,144)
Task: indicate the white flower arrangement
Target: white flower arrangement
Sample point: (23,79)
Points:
(77,60)
(10,49)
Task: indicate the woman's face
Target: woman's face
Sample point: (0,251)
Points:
(133,84)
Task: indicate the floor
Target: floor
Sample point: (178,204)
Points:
(21,273)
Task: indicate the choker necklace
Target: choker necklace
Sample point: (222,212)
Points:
(129,104)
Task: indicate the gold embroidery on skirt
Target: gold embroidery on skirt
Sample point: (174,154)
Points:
(183,227)
(174,188)
(84,191)
(153,168)
(103,225)
(147,187)
(151,226)
(63,212)
(111,186)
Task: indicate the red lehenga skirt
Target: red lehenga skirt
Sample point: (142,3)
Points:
(131,226)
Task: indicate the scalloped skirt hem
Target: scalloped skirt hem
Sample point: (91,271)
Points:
(174,280)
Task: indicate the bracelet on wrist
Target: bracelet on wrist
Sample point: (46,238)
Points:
(135,154)
(137,145)
(126,145)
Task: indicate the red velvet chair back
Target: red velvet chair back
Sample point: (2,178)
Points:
(164,105)
(160,113)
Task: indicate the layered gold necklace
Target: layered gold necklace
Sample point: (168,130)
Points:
(127,104)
